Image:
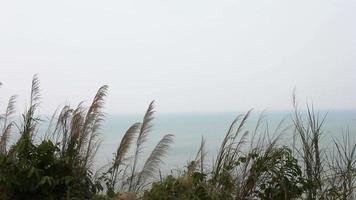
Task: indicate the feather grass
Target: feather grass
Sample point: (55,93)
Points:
(121,152)
(91,126)
(7,124)
(141,139)
(153,161)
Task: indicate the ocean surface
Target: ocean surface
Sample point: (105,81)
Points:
(188,129)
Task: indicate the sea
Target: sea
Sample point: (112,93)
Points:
(189,128)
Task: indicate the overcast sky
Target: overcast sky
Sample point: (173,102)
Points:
(188,55)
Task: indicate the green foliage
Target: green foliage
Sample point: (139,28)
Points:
(186,187)
(40,173)
(279,177)
(49,169)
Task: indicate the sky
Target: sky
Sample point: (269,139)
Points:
(188,55)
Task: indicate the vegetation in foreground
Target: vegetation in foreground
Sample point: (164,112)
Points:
(57,163)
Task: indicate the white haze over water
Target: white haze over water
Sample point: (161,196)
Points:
(188,129)
(189,55)
(201,60)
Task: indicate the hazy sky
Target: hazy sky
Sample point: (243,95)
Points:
(188,55)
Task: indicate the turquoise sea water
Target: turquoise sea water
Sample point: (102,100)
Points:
(188,129)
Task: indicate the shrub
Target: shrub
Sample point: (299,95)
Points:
(59,166)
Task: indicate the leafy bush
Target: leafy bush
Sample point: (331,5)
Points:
(39,173)
(279,177)
(186,187)
(50,169)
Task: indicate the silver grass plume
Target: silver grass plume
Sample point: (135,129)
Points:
(121,152)
(92,124)
(125,144)
(10,110)
(154,160)
(200,156)
(30,118)
(142,138)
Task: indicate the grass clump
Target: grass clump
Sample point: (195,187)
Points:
(59,165)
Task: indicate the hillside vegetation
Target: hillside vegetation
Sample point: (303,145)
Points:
(57,162)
